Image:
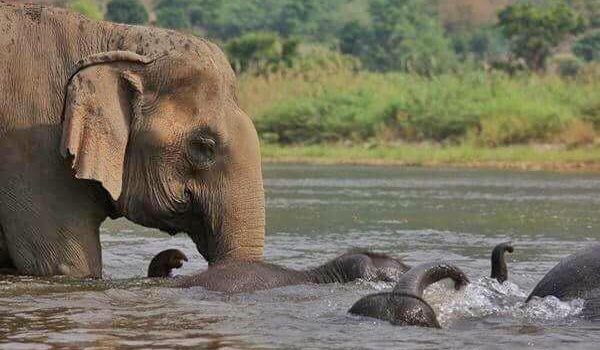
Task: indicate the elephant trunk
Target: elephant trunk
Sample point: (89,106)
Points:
(499,269)
(421,276)
(243,225)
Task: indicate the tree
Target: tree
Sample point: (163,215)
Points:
(296,17)
(126,11)
(533,31)
(404,35)
(87,8)
(588,47)
(259,51)
(355,39)
(174,18)
(590,9)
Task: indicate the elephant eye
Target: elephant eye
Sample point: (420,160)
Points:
(202,151)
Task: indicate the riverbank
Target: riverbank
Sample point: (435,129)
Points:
(522,157)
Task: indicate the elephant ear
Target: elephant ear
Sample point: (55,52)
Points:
(101,101)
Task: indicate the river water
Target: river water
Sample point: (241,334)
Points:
(313,214)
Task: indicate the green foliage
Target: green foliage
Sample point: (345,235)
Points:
(534,31)
(566,65)
(589,9)
(588,47)
(260,51)
(126,11)
(87,8)
(404,35)
(171,17)
(480,43)
(296,17)
(489,109)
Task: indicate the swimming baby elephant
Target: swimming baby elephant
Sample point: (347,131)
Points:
(404,306)
(235,277)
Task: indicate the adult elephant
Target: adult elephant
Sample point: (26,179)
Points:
(576,276)
(104,120)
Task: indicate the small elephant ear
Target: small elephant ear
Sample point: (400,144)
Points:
(101,101)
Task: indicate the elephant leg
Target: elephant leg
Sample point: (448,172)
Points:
(6,265)
(55,251)
(48,234)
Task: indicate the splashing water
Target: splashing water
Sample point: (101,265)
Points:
(485,297)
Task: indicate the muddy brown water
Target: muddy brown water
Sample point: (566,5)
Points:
(313,214)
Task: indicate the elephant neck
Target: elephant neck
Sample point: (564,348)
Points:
(326,274)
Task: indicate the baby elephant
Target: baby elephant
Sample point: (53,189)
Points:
(236,277)
(404,305)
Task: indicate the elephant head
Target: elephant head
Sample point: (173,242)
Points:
(164,262)
(167,140)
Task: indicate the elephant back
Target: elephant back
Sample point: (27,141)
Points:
(575,276)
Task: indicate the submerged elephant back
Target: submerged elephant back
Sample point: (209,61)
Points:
(242,277)
(575,276)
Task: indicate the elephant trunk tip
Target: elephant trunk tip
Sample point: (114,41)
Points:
(421,276)
(164,262)
(499,268)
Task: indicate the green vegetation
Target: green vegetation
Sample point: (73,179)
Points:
(403,35)
(514,157)
(171,17)
(535,30)
(486,109)
(87,8)
(126,11)
(261,52)
(588,47)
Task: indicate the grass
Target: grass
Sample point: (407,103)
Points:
(485,108)
(530,157)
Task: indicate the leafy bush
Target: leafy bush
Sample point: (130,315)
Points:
(487,108)
(171,17)
(87,8)
(566,65)
(260,51)
(126,11)
(588,47)
(330,117)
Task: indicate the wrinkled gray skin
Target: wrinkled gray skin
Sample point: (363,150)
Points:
(238,277)
(404,306)
(576,276)
(104,120)
(499,269)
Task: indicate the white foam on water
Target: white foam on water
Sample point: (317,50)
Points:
(486,297)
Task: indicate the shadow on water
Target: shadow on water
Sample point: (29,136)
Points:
(315,213)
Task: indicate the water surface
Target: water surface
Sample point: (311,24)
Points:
(313,214)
